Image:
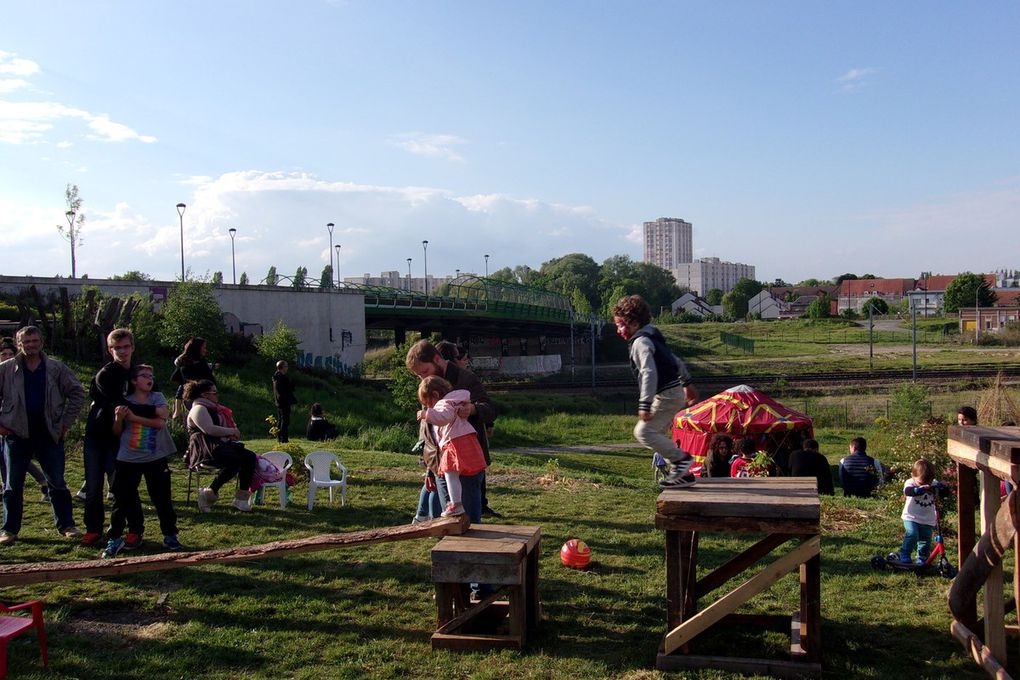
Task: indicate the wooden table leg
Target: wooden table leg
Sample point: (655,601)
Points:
(531,582)
(811,608)
(689,573)
(966,479)
(674,593)
(444,604)
(995,625)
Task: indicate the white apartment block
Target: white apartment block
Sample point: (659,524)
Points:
(668,242)
(707,273)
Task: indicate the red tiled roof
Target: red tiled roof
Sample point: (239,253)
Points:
(863,287)
(940,282)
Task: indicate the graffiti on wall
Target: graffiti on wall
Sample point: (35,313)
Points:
(333,364)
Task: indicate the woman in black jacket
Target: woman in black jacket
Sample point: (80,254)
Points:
(190,365)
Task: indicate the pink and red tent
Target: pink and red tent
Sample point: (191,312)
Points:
(739,412)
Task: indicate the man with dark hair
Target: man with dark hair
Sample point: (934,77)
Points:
(664,384)
(423,359)
(859,473)
(283,395)
(808,462)
(39,401)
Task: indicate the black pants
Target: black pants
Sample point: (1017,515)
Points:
(233,459)
(283,423)
(127,506)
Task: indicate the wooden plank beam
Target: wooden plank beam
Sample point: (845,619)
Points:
(766,667)
(740,563)
(38,572)
(995,632)
(749,525)
(729,602)
(453,624)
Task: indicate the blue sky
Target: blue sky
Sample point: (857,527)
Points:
(806,138)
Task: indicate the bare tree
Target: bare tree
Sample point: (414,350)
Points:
(75,222)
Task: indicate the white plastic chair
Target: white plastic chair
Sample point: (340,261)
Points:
(282,460)
(319,464)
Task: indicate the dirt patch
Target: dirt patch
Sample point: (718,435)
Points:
(840,520)
(120,624)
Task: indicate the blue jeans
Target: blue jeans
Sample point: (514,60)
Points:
(919,535)
(100,464)
(19,452)
(432,503)
(471,486)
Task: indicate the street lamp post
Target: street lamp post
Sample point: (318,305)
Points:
(486,265)
(977,315)
(330,225)
(70,215)
(425,250)
(180,212)
(233,263)
(339,272)
(408,275)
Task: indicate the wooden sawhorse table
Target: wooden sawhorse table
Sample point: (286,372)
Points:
(785,509)
(500,555)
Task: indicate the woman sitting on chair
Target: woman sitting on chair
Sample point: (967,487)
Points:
(214,440)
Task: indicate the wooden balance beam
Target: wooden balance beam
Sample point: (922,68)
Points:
(39,572)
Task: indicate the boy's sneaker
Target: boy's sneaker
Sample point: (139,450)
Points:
(71,532)
(679,475)
(80,495)
(132,541)
(7,538)
(170,542)
(113,548)
(45,491)
(90,539)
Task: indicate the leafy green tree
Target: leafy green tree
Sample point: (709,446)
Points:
(191,310)
(272,278)
(72,231)
(522,274)
(217,278)
(714,296)
(819,308)
(810,283)
(326,278)
(146,325)
(243,281)
(404,384)
(735,302)
(280,343)
(961,291)
(878,304)
(580,302)
(300,276)
(574,271)
(844,277)
(133,275)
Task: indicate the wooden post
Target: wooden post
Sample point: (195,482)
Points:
(966,479)
(811,608)
(995,631)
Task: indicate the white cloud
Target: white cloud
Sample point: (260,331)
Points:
(10,65)
(855,79)
(432,145)
(12,84)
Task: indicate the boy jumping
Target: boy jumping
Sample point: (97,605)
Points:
(664,383)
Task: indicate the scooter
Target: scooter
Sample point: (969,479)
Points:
(937,559)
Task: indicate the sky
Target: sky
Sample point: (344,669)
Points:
(806,138)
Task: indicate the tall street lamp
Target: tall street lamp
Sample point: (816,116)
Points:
(425,250)
(408,275)
(339,272)
(330,225)
(486,265)
(180,211)
(233,263)
(70,226)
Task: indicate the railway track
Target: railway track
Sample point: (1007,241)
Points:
(937,375)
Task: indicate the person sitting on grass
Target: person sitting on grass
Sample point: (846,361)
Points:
(919,511)
(747,452)
(319,429)
(809,462)
(145,448)
(859,473)
(214,440)
(718,462)
(457,439)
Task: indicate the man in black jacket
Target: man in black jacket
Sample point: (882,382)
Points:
(283,394)
(809,462)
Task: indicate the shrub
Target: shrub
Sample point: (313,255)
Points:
(280,343)
(191,310)
(909,404)
(925,440)
(403,384)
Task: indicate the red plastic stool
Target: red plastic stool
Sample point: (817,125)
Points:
(13,626)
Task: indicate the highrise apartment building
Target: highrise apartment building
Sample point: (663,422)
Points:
(668,242)
(707,273)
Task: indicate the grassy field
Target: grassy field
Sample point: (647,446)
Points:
(369,612)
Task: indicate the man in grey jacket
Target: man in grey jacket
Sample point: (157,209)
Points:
(664,383)
(39,400)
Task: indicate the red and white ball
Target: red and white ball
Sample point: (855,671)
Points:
(575,554)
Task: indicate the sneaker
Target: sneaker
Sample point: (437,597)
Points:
(7,538)
(242,500)
(71,532)
(80,495)
(453,509)
(113,548)
(419,519)
(45,491)
(679,475)
(90,539)
(206,498)
(489,512)
(132,541)
(170,542)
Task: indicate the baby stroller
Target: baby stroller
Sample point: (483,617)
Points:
(937,559)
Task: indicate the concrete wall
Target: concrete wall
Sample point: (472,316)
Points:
(331,324)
